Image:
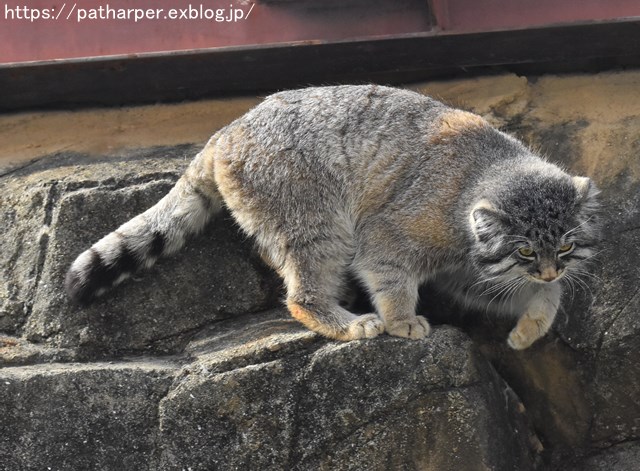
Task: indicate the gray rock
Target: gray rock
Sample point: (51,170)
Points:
(86,199)
(615,316)
(261,392)
(624,457)
(81,416)
(22,217)
(15,351)
(381,404)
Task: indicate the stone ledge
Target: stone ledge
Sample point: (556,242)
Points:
(273,396)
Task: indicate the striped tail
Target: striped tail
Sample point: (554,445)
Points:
(137,244)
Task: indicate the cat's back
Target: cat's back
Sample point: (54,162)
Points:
(334,124)
(368,142)
(370,152)
(334,105)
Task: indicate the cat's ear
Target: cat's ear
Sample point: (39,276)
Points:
(588,206)
(485,220)
(585,188)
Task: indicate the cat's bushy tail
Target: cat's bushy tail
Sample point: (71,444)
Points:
(138,243)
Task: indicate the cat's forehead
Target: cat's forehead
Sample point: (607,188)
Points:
(535,195)
(541,210)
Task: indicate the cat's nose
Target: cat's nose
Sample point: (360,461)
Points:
(548,274)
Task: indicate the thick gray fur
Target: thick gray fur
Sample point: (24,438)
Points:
(388,185)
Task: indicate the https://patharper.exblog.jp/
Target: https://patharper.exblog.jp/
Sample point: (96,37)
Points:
(229,13)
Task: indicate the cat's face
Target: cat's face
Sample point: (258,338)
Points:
(540,231)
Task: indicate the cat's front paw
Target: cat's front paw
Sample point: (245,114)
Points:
(366,326)
(521,338)
(415,328)
(517,341)
(527,331)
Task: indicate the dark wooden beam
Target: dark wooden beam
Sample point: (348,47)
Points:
(237,70)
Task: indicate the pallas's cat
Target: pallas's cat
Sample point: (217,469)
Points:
(385,185)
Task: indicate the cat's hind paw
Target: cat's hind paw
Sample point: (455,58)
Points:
(415,328)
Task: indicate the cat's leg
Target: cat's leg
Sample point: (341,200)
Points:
(313,282)
(537,318)
(395,297)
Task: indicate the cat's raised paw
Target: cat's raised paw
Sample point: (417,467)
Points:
(527,331)
(366,326)
(519,340)
(415,328)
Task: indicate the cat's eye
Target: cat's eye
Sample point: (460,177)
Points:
(565,249)
(526,252)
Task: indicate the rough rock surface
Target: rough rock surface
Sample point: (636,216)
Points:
(261,392)
(81,416)
(623,457)
(71,201)
(184,369)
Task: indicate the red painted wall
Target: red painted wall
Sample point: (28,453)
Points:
(66,34)
(460,16)
(61,32)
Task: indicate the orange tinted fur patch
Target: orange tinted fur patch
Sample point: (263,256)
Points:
(528,330)
(431,225)
(309,320)
(454,123)
(301,314)
(376,194)
(379,181)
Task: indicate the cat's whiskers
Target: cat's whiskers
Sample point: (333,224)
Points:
(585,285)
(571,285)
(577,227)
(579,283)
(585,273)
(508,286)
(511,293)
(590,257)
(484,280)
(579,270)
(495,287)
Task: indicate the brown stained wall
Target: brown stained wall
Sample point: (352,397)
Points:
(28,136)
(605,107)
